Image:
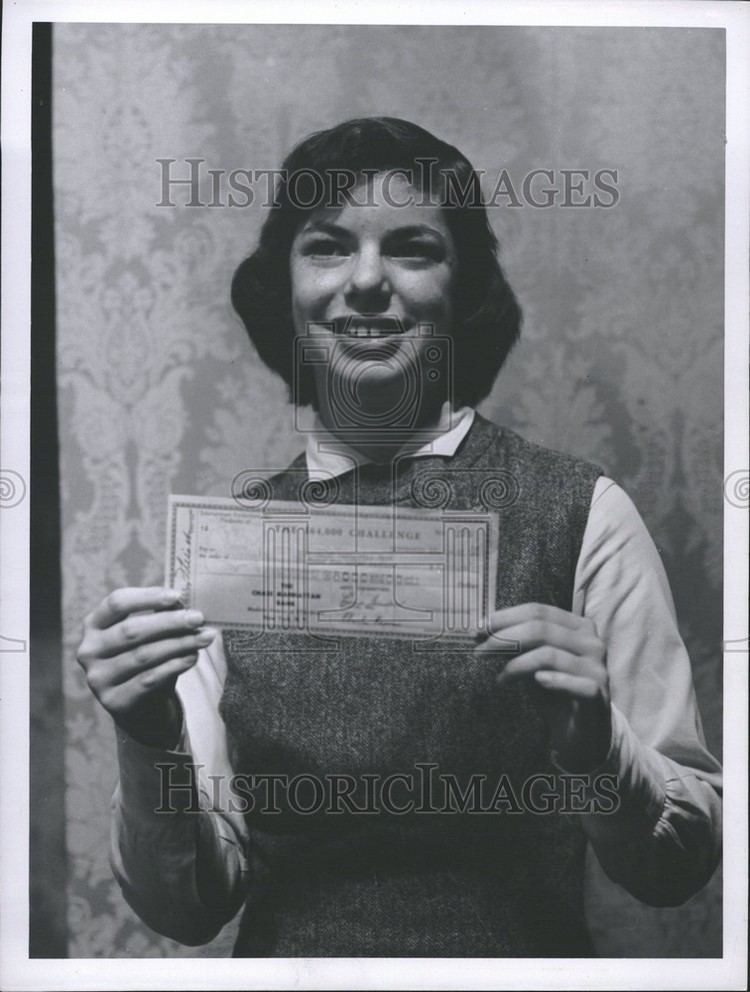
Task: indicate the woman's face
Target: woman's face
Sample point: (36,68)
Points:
(373,285)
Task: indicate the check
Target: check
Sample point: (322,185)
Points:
(357,570)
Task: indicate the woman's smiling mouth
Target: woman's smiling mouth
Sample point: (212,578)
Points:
(366,326)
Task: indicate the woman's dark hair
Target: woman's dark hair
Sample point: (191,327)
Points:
(487,317)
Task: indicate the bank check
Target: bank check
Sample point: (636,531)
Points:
(356,570)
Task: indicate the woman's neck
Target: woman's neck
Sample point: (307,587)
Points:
(383,444)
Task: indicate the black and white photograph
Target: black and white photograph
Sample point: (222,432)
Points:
(374,496)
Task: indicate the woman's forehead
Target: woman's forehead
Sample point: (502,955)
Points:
(384,201)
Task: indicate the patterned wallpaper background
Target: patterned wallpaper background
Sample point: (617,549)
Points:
(160,391)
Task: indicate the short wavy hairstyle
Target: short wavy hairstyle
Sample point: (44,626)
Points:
(487,317)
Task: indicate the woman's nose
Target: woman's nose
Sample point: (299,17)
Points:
(368,276)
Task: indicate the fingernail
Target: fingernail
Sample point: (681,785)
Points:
(194,618)
(170,597)
(205,636)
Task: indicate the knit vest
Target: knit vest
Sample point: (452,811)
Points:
(464,882)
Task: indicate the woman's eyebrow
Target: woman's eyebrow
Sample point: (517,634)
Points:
(415,230)
(408,231)
(326,227)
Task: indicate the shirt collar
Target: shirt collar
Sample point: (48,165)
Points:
(327,457)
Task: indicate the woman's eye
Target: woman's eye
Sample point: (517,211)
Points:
(414,249)
(325,248)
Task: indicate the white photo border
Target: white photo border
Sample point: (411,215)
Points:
(17,971)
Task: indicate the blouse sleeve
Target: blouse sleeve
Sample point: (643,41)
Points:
(664,840)
(178,849)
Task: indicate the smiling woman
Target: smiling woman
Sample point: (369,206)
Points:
(407,228)
(387,311)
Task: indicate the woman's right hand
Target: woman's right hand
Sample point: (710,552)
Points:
(135,645)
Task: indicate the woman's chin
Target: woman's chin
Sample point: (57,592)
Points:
(376,385)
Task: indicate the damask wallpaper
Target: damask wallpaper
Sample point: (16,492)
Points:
(160,391)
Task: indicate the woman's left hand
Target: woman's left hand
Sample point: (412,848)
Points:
(564,655)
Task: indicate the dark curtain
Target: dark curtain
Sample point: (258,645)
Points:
(47,925)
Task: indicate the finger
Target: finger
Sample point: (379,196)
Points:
(121,602)
(534,633)
(121,699)
(573,686)
(496,643)
(550,659)
(148,656)
(542,612)
(156,678)
(142,628)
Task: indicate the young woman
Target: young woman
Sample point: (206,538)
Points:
(575,709)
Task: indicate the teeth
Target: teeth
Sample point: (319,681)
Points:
(362,331)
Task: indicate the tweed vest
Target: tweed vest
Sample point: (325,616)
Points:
(465,882)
